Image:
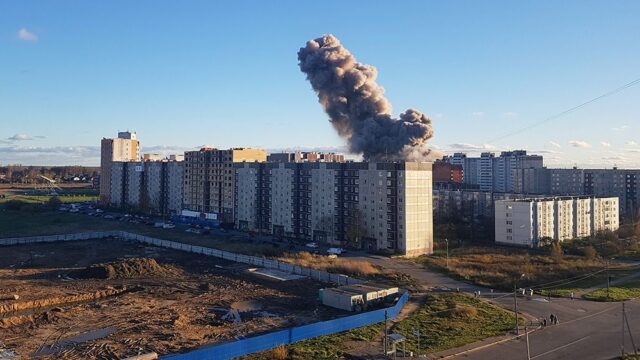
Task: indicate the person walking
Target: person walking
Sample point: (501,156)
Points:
(551,318)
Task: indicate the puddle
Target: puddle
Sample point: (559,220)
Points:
(78,339)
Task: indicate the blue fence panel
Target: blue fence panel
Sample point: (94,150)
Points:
(289,336)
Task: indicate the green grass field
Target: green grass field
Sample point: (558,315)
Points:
(620,292)
(446,321)
(450,320)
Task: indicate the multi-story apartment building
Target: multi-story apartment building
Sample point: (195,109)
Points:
(380,206)
(505,173)
(301,156)
(525,222)
(125,147)
(149,186)
(445,172)
(209,179)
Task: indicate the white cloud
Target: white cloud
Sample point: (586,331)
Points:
(555,144)
(26,35)
(55,155)
(510,115)
(605,144)
(620,128)
(439,115)
(634,150)
(477,114)
(579,144)
(632,143)
(20,137)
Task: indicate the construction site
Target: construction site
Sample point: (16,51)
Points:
(108,298)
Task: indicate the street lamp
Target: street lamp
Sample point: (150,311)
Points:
(515,301)
(447,241)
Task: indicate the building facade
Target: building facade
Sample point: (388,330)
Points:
(209,179)
(526,222)
(125,147)
(378,206)
(301,156)
(153,187)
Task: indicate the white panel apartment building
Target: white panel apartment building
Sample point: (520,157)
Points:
(383,206)
(524,222)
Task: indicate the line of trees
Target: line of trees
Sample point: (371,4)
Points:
(18,174)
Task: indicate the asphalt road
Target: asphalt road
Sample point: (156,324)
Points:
(587,329)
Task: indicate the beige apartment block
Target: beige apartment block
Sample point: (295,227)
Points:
(378,206)
(526,222)
(209,179)
(125,147)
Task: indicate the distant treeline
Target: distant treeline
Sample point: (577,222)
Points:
(18,174)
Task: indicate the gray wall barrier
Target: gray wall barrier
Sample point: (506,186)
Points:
(268,341)
(322,276)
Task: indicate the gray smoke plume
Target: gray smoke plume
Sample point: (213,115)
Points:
(357,107)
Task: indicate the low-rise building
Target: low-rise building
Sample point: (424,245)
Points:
(527,222)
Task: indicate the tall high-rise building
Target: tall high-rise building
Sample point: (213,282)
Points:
(379,206)
(209,179)
(125,147)
(506,173)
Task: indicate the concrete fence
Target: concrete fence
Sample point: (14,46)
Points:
(221,254)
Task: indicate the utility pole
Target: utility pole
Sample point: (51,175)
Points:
(622,343)
(526,333)
(633,343)
(609,281)
(515,307)
(385,333)
(447,241)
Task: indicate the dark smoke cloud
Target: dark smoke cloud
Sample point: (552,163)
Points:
(357,107)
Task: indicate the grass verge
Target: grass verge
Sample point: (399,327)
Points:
(498,267)
(450,320)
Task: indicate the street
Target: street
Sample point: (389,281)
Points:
(586,329)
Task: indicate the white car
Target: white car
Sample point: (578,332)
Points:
(168,226)
(312,245)
(335,251)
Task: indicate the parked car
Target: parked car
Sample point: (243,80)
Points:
(311,245)
(335,251)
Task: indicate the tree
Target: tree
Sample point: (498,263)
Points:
(53,203)
(556,250)
(354,229)
(590,252)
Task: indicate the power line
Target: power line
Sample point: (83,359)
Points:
(568,111)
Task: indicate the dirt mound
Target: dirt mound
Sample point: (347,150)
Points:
(123,269)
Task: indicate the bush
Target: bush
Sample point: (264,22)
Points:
(464,311)
(279,353)
(590,252)
(338,265)
(556,251)
(53,203)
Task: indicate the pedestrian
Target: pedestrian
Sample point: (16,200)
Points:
(551,317)
(555,318)
(571,295)
(544,322)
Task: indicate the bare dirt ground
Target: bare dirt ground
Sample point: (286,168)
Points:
(173,303)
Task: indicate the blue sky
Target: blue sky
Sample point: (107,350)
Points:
(187,73)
